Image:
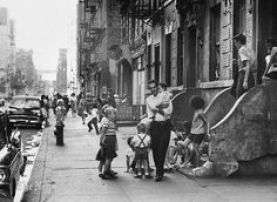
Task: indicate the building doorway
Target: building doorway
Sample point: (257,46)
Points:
(157,63)
(267,29)
(191,77)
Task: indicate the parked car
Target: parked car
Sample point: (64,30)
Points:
(12,163)
(25,111)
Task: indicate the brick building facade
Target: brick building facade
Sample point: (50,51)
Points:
(99,27)
(189,44)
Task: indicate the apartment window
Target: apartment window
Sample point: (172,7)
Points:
(132,27)
(157,62)
(125,29)
(138,82)
(214,69)
(168,59)
(149,61)
(155,4)
(180,55)
(239,16)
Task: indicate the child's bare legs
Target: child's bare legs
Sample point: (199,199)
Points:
(145,163)
(139,168)
(194,150)
(184,145)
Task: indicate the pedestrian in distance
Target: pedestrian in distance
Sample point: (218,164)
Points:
(199,129)
(73,104)
(160,127)
(82,109)
(93,119)
(108,144)
(66,103)
(59,126)
(141,144)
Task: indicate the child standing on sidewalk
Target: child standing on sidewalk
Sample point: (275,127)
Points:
(141,143)
(108,143)
(93,119)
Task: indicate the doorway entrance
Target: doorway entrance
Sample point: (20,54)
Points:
(267,29)
(191,80)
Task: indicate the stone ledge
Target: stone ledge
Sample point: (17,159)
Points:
(216,84)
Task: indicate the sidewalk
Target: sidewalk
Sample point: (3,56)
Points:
(61,172)
(69,174)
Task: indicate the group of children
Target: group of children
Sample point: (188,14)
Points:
(137,157)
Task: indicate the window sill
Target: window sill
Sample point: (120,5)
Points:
(216,84)
(175,88)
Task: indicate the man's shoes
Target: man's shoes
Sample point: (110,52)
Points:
(105,176)
(158,178)
(112,174)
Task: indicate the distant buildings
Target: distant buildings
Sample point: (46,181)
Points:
(61,77)
(99,27)
(7,50)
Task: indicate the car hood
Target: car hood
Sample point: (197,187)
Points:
(27,111)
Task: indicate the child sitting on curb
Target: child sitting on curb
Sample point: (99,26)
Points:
(199,129)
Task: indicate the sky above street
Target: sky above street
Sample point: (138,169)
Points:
(45,26)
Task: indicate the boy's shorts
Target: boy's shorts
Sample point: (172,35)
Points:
(141,154)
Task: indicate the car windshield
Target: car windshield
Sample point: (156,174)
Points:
(25,103)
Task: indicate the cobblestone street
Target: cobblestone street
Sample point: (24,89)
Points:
(69,173)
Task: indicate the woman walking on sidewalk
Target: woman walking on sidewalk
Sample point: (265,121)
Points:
(82,109)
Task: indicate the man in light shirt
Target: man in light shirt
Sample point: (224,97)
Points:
(160,127)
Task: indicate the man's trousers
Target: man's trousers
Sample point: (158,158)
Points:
(160,136)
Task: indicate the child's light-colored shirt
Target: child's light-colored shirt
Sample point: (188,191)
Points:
(199,123)
(109,126)
(141,140)
(60,112)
